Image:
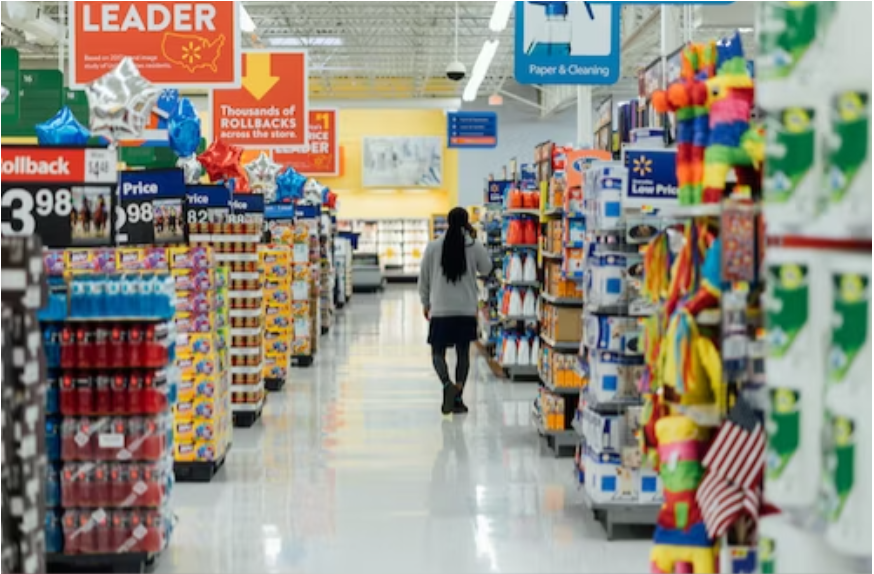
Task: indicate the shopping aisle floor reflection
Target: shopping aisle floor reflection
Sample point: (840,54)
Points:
(354,469)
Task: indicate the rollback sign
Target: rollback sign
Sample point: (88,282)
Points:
(63,195)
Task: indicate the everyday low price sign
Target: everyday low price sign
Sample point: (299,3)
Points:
(63,195)
(182,44)
(321,154)
(150,207)
(270,110)
(652,178)
(207,204)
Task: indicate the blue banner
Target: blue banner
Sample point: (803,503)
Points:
(247,203)
(151,184)
(308,211)
(652,176)
(207,196)
(472,129)
(497,190)
(279,211)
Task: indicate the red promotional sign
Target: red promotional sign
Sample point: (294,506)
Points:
(182,44)
(270,110)
(58,165)
(321,154)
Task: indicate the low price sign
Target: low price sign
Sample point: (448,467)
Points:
(207,204)
(150,207)
(63,195)
(321,155)
(270,110)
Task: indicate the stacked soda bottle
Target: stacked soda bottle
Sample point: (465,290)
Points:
(112,387)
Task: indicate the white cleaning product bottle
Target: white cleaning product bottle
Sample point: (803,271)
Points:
(511,350)
(529,274)
(529,304)
(515,307)
(535,351)
(516,271)
(524,354)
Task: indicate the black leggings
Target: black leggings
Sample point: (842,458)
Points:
(462,365)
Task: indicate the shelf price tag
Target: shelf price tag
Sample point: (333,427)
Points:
(63,195)
(150,207)
(247,208)
(206,204)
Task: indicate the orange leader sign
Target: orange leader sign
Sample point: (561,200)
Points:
(270,110)
(182,44)
(321,154)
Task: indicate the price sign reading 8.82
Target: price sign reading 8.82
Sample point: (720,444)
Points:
(150,207)
(48,192)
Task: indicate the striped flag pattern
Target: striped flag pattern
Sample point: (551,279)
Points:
(734,465)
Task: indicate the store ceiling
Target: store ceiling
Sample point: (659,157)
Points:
(390,49)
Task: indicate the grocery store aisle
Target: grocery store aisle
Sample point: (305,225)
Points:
(354,469)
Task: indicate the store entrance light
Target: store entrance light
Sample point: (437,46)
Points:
(501,15)
(246,22)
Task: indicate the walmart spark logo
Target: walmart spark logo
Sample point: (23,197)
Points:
(642,166)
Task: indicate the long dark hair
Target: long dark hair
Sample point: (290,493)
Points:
(454,256)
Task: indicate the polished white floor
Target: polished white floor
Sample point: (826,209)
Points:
(354,469)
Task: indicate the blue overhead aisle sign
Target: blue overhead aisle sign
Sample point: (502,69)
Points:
(472,129)
(568,42)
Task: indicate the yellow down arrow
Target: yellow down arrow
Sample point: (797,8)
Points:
(258,79)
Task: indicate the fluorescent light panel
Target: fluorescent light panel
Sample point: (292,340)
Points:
(246,22)
(501,15)
(480,69)
(307,41)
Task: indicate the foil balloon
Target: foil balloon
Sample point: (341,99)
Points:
(4,93)
(167,104)
(262,172)
(331,201)
(62,129)
(221,161)
(183,129)
(121,102)
(289,186)
(191,169)
(312,192)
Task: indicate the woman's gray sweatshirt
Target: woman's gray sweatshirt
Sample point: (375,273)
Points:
(445,299)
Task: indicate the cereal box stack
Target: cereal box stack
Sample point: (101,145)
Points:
(278,328)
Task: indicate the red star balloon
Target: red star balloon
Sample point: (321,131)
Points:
(222,161)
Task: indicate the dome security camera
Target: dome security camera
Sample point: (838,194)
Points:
(456,71)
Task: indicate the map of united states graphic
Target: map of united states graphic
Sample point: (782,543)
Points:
(192,52)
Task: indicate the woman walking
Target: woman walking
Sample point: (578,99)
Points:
(448,289)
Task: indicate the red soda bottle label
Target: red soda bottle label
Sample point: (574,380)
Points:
(67,399)
(68,348)
(119,394)
(84,395)
(103,393)
(84,347)
(101,347)
(135,393)
(135,346)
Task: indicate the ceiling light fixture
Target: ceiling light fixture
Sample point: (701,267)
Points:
(246,22)
(501,15)
(309,42)
(480,69)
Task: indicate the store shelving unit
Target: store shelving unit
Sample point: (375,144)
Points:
(400,244)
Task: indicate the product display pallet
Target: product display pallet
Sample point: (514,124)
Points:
(246,419)
(132,562)
(302,361)
(201,471)
(611,513)
(274,384)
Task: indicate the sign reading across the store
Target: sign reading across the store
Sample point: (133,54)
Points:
(652,177)
(207,204)
(472,129)
(321,154)
(497,190)
(270,109)
(181,44)
(64,195)
(150,207)
(568,42)
(247,208)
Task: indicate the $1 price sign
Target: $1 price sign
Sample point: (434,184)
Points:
(53,193)
(150,207)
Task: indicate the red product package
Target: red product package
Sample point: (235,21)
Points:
(101,532)
(118,347)
(136,343)
(151,488)
(84,346)
(70,523)
(102,336)
(154,392)
(112,442)
(101,494)
(70,486)
(68,348)
(135,393)
(120,532)
(152,444)
(84,394)
(103,393)
(67,399)
(119,394)
(85,533)
(81,439)
(530,232)
(153,535)
(85,490)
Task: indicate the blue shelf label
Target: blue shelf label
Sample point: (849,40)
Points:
(151,184)
(279,211)
(472,129)
(652,176)
(496,190)
(307,211)
(247,203)
(207,196)
(568,42)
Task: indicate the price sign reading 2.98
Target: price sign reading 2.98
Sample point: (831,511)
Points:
(52,193)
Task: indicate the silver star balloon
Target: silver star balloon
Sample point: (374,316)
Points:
(121,102)
(191,169)
(4,93)
(262,173)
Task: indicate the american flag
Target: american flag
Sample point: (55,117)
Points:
(734,465)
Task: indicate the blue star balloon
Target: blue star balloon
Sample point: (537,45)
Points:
(183,129)
(289,186)
(168,101)
(62,129)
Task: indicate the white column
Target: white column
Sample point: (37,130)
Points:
(585,135)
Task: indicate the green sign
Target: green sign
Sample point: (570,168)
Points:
(77,101)
(42,96)
(150,157)
(10,81)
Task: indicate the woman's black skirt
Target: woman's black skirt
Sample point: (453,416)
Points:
(451,331)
